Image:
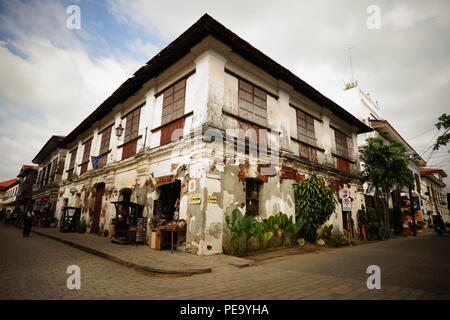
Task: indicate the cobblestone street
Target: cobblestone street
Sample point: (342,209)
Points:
(411,268)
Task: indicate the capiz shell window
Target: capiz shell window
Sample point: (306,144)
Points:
(252,103)
(173,102)
(132,125)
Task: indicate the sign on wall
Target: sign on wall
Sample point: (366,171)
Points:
(195,199)
(343,194)
(212,199)
(346,204)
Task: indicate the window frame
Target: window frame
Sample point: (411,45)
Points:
(252,210)
(105,142)
(132,122)
(252,102)
(344,149)
(87,146)
(306,131)
(174,102)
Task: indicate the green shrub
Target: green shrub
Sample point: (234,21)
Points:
(267,231)
(373,226)
(235,226)
(333,240)
(314,204)
(81,226)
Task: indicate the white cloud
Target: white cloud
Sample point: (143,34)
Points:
(51,86)
(404,65)
(147,50)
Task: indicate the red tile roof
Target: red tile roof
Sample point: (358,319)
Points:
(428,171)
(8,183)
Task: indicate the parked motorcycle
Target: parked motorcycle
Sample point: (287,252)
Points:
(438,225)
(439,229)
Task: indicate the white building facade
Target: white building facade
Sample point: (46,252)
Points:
(218,125)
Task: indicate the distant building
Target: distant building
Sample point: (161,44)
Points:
(8,192)
(50,160)
(436,199)
(27,176)
(363,106)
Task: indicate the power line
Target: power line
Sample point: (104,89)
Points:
(429,144)
(421,134)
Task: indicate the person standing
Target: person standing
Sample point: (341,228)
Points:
(28,222)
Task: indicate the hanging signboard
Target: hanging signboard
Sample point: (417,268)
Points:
(195,199)
(346,204)
(164,180)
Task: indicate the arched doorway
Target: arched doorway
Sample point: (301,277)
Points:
(99,191)
(125,195)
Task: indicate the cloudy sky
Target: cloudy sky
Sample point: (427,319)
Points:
(52,77)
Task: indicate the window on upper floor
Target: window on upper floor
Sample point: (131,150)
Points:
(252,103)
(173,111)
(131,137)
(306,134)
(173,102)
(106,138)
(308,152)
(86,153)
(305,128)
(54,169)
(104,146)
(73,156)
(344,145)
(132,125)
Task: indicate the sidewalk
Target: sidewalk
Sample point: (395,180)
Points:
(142,257)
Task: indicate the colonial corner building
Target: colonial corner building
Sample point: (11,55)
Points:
(208,125)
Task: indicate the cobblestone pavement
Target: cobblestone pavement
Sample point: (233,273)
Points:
(35,268)
(163,261)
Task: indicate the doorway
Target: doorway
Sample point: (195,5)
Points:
(125,195)
(99,191)
(168,200)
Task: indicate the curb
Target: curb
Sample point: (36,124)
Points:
(124,262)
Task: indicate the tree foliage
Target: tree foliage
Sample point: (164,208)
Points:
(443,123)
(314,204)
(385,168)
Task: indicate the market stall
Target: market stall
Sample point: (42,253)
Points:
(128,225)
(69,219)
(167,234)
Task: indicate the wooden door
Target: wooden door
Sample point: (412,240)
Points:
(97,208)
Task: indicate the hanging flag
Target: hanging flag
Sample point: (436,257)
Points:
(95,161)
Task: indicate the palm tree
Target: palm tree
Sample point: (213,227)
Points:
(385,168)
